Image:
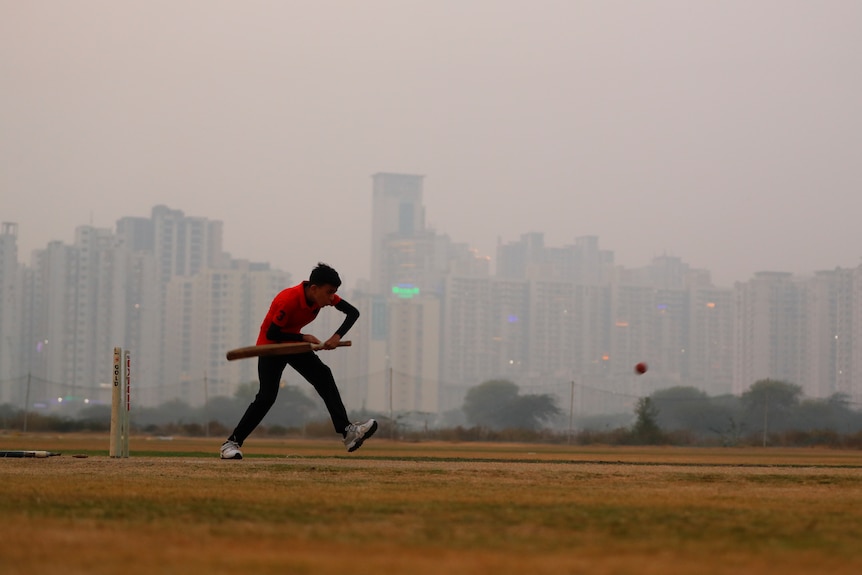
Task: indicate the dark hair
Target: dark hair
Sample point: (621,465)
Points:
(324,275)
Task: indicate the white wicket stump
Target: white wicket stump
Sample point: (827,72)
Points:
(120,403)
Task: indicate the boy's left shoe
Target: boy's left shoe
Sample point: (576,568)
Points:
(230,450)
(357,433)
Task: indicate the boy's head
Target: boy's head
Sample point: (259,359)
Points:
(322,285)
(323,275)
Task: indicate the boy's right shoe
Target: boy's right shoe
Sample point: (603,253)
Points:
(357,433)
(230,450)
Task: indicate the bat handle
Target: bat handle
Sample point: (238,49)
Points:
(319,346)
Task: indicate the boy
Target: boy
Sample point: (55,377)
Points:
(290,311)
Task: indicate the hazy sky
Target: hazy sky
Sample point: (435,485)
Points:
(728,133)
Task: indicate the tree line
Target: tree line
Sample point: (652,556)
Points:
(770,412)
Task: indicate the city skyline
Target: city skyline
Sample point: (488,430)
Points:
(723,134)
(549,316)
(351,282)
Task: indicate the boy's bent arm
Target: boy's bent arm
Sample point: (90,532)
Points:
(352,315)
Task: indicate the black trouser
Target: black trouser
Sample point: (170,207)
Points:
(269,370)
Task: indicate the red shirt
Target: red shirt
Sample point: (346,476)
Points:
(290,311)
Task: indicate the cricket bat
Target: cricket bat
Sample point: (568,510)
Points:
(277,349)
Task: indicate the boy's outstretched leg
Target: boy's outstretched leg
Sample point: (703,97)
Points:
(269,370)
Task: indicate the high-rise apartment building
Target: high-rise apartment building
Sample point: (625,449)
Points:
(14,349)
(509,328)
(770,330)
(411,260)
(799,330)
(515,259)
(53,320)
(851,383)
(709,351)
(397,213)
(412,268)
(95,303)
(140,329)
(633,314)
(413,382)
(827,364)
(582,262)
(468,345)
(185,245)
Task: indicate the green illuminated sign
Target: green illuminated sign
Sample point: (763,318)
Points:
(405,291)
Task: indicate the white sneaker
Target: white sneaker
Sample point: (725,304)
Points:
(357,433)
(230,450)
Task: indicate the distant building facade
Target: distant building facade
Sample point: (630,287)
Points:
(15,348)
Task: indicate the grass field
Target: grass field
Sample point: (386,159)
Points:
(295,507)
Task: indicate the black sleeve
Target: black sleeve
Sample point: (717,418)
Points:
(274,333)
(352,315)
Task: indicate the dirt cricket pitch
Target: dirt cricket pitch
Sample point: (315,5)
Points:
(296,507)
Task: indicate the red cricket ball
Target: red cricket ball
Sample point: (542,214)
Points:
(640,368)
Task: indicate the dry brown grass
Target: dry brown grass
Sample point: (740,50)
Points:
(307,507)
